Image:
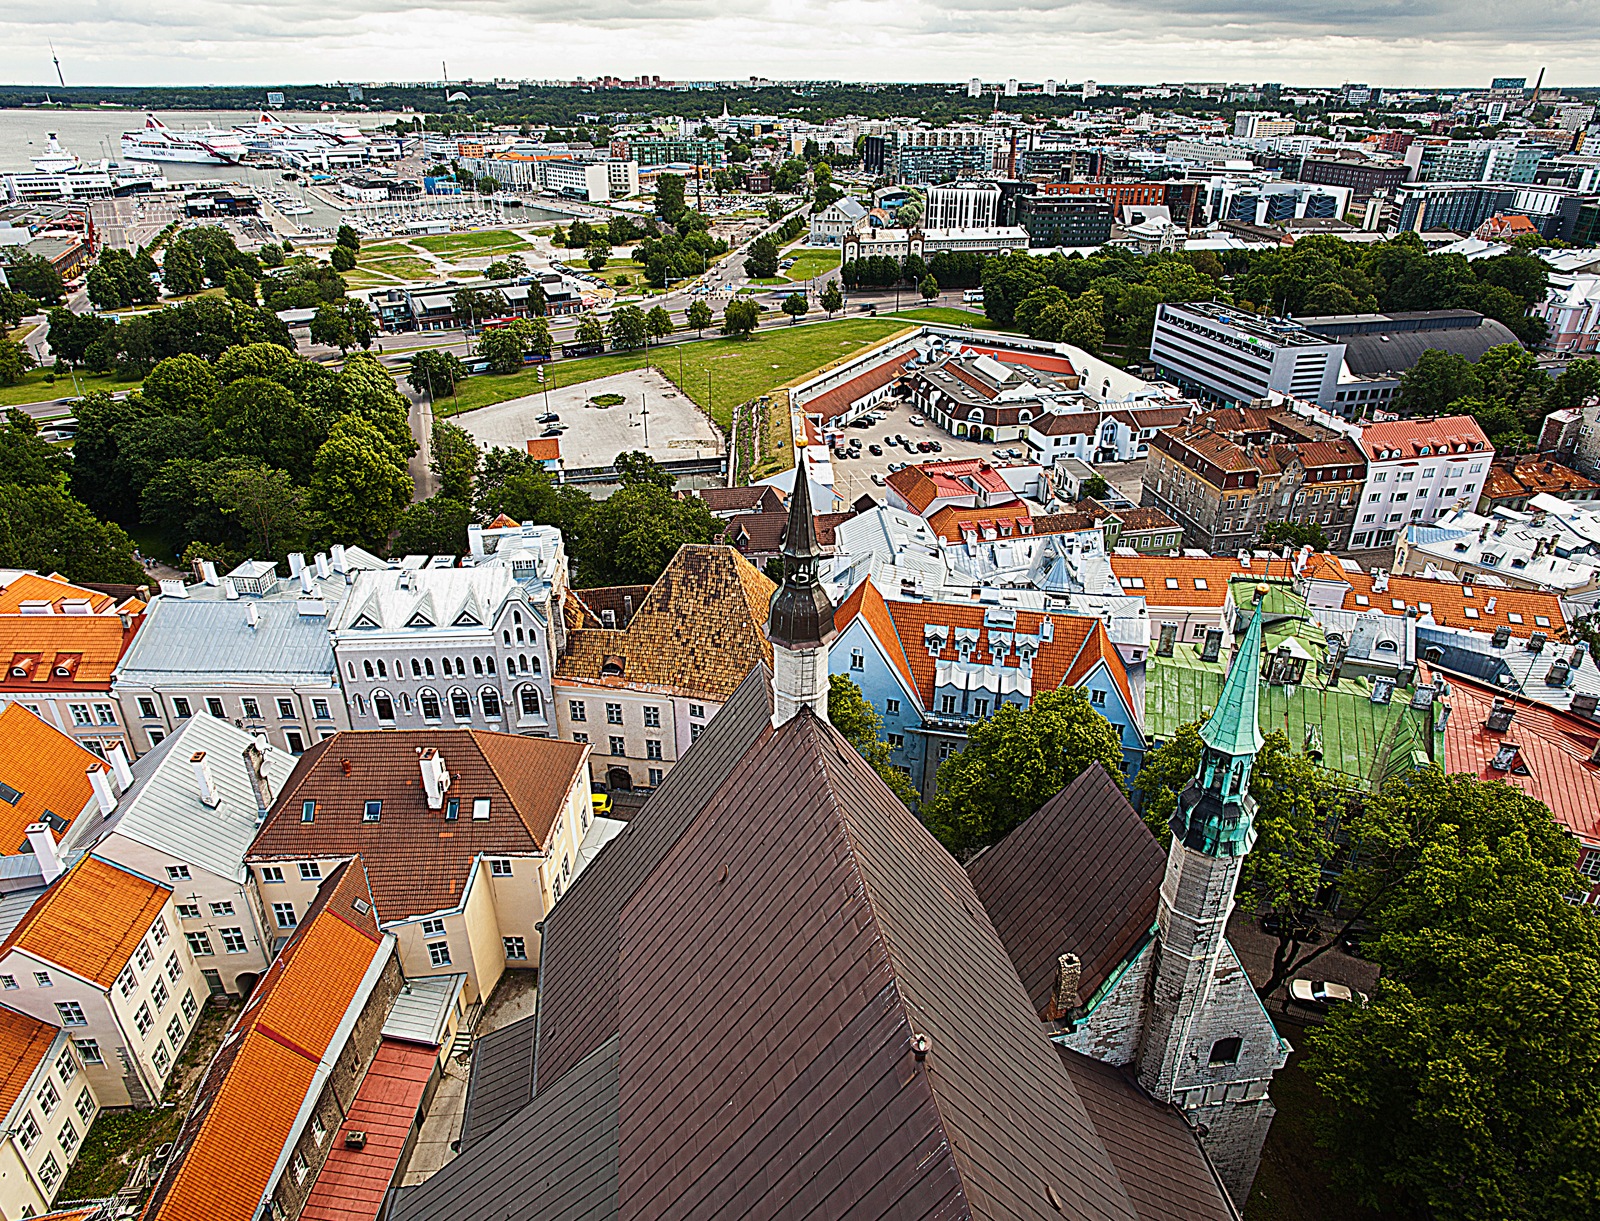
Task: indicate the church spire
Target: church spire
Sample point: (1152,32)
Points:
(1215,814)
(800,616)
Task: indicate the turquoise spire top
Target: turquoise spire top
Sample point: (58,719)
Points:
(1215,813)
(1234,728)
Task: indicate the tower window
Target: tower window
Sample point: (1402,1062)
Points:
(1226,1051)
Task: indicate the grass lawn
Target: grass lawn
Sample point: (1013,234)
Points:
(491,241)
(809,263)
(950,317)
(17,332)
(116,1141)
(32,388)
(406,267)
(387,250)
(717,374)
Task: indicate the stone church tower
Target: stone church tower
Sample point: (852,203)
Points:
(800,618)
(1207,1045)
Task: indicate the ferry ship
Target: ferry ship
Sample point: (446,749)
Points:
(204,146)
(276,136)
(55,159)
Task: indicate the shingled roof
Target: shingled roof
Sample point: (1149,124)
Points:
(850,1039)
(699,630)
(1080,876)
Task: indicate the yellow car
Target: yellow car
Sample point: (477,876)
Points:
(601,803)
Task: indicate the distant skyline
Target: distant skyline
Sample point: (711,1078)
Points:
(1421,44)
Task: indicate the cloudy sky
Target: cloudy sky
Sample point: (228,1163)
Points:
(1314,42)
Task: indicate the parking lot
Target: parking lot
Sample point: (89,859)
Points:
(595,435)
(853,476)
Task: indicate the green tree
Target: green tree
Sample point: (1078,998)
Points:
(269,506)
(1013,763)
(538,302)
(454,462)
(862,727)
(929,288)
(181,271)
(795,306)
(637,469)
(1085,326)
(698,316)
(365,388)
(502,348)
(15,361)
(832,300)
(1470,1086)
(590,330)
(630,537)
(597,255)
(740,317)
(240,286)
(472,306)
(435,372)
(45,529)
(1094,488)
(260,419)
(25,458)
(342,258)
(669,197)
(34,276)
(348,239)
(437,526)
(1163,775)
(181,385)
(344,325)
(359,486)
(1436,381)
(629,329)
(1296,534)
(498,270)
(658,323)
(762,262)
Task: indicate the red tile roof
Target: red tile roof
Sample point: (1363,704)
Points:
(54,589)
(24,1042)
(90,920)
(353,1181)
(47,767)
(87,647)
(1098,648)
(867,602)
(1058,365)
(1450,602)
(1409,436)
(831,403)
(923,483)
(949,522)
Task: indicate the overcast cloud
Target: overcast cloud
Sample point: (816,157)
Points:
(1312,42)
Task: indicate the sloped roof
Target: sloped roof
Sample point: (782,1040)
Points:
(54,589)
(1375,354)
(417,862)
(831,403)
(90,920)
(1410,435)
(753,498)
(88,645)
(49,770)
(866,601)
(1448,601)
(501,1079)
(1234,728)
(699,630)
(1097,648)
(245,1113)
(1080,876)
(949,521)
(209,642)
(353,1182)
(24,1043)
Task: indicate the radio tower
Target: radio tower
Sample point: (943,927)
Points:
(55,59)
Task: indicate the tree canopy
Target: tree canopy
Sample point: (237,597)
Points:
(861,725)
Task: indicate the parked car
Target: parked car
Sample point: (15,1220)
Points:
(916,421)
(899,439)
(551,432)
(548,417)
(997,454)
(875,450)
(1320,994)
(925,447)
(877,478)
(861,423)
(888,440)
(1299,926)
(937,448)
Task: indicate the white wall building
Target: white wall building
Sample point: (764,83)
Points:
(1417,472)
(962,205)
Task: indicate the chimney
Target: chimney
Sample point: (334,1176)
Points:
(252,616)
(230,591)
(255,763)
(1064,992)
(208,572)
(121,772)
(202,778)
(44,848)
(321,563)
(435,777)
(475,539)
(297,563)
(105,796)
(306,587)
(338,557)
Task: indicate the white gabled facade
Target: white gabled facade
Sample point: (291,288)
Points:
(1418,471)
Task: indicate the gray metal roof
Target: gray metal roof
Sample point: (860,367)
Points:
(423,1007)
(1374,355)
(1513,667)
(14,906)
(185,641)
(162,808)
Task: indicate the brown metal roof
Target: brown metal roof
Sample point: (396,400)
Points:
(1080,877)
(501,1082)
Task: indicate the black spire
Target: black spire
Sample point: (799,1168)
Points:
(800,615)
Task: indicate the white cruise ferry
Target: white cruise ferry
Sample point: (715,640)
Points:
(202,145)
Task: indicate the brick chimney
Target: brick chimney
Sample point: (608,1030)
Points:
(1064,992)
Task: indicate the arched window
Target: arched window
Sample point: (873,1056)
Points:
(460,705)
(506,635)
(530,701)
(489,698)
(516,616)
(522,663)
(351,666)
(367,666)
(460,669)
(490,660)
(383,706)
(361,705)
(382,673)
(519,635)
(477,664)
(416,668)
(536,663)
(430,704)
(405,702)
(427,665)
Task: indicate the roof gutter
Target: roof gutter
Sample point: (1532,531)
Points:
(341,1035)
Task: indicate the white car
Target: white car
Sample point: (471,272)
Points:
(916,420)
(1320,994)
(877,478)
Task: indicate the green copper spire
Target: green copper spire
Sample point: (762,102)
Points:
(1234,727)
(1215,813)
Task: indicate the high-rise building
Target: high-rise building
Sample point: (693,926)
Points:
(1050,89)
(1011,87)
(974,88)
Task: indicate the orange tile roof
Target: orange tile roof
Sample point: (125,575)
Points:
(47,767)
(867,602)
(244,1111)
(1148,575)
(90,920)
(1098,648)
(948,521)
(87,646)
(1449,601)
(24,1042)
(1409,436)
(700,630)
(55,588)
(545,449)
(1049,667)
(1512,478)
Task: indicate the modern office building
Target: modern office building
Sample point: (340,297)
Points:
(654,148)
(963,205)
(1065,220)
(1223,355)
